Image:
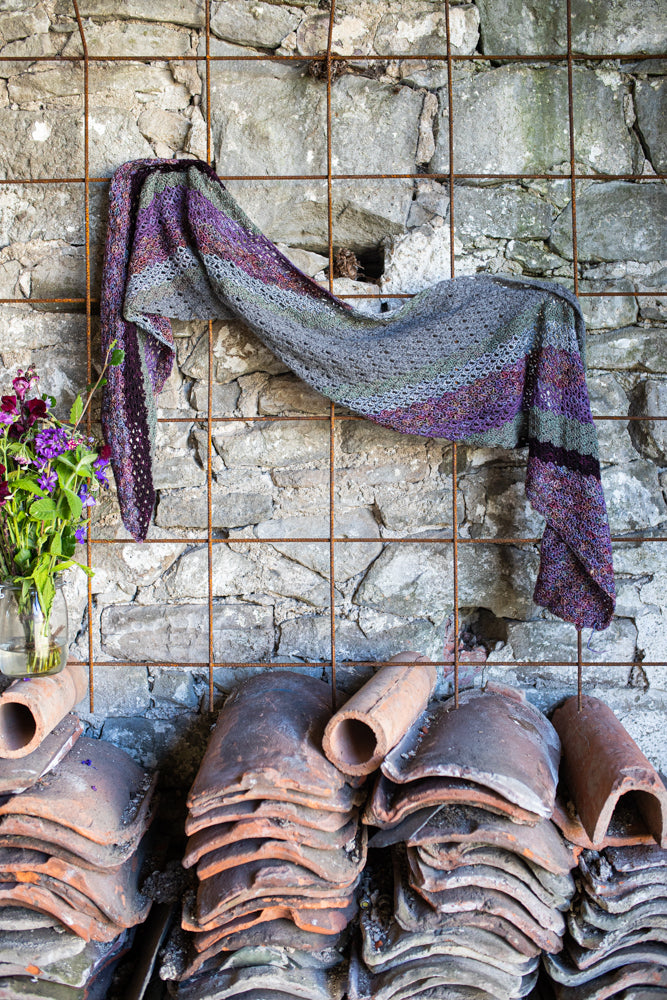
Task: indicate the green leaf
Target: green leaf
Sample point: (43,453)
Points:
(74,504)
(43,510)
(76,411)
(51,400)
(117,357)
(68,541)
(55,548)
(27,484)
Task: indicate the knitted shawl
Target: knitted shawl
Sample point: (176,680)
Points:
(487,360)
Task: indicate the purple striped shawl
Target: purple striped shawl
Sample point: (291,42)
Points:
(488,360)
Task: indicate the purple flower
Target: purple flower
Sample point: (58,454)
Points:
(24,380)
(100,469)
(9,405)
(80,535)
(4,488)
(85,497)
(50,442)
(48,480)
(36,410)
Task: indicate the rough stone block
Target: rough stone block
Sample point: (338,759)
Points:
(650,436)
(557,641)
(633,496)
(235,503)
(616,220)
(179,633)
(240,570)
(609,311)
(129,38)
(289,117)
(515,27)
(514,120)
(262,25)
(349,559)
(629,349)
(420,29)
(651,108)
(309,637)
(190,13)
(418,580)
(36,144)
(274,445)
(118,691)
(176,688)
(236,352)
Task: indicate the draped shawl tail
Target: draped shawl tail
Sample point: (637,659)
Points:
(488,360)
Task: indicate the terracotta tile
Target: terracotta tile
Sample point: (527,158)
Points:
(619,905)
(414,979)
(613,983)
(377,716)
(45,901)
(602,881)
(602,763)
(495,738)
(255,809)
(299,983)
(19,918)
(385,943)
(97,791)
(314,920)
(413,913)
(390,803)
(584,958)
(344,800)
(39,947)
(562,970)
(650,913)
(559,888)
(338,867)
(18,774)
(115,892)
(542,844)
(450,899)
(629,859)
(31,708)
(190,923)
(96,855)
(280,933)
(256,878)
(523,886)
(269,733)
(220,835)
(74,972)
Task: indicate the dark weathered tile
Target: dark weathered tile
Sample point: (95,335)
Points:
(495,738)
(602,763)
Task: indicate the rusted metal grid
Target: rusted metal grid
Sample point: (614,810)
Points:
(328,58)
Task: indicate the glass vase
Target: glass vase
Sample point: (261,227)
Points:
(31,644)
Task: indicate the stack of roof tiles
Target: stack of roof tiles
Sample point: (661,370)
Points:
(481,876)
(277,846)
(71,827)
(614,810)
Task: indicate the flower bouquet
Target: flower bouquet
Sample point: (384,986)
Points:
(50,473)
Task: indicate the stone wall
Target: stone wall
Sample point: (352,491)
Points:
(271,479)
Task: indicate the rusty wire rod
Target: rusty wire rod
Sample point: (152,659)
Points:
(332,405)
(338,57)
(366,539)
(318,664)
(575,254)
(89,359)
(452,269)
(209,398)
(439,176)
(287,418)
